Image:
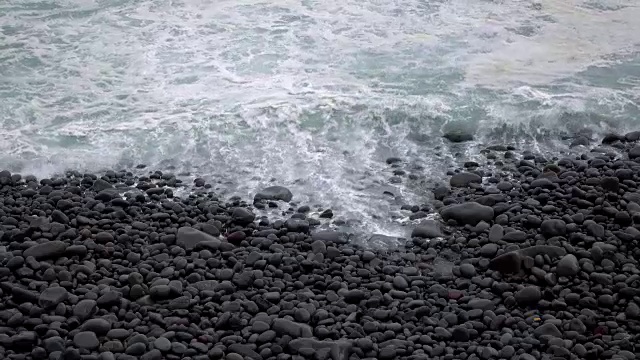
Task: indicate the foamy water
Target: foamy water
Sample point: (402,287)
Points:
(313,95)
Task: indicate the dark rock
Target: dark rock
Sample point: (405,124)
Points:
(49,249)
(86,340)
(427,229)
(97,325)
(468,213)
(464,179)
(529,295)
(293,329)
(330,235)
(457,136)
(52,296)
(547,329)
(467,270)
(507,263)
(568,266)
(297,225)
(553,227)
(84,309)
(274,193)
(188,238)
(242,216)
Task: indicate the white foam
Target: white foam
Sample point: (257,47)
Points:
(314,94)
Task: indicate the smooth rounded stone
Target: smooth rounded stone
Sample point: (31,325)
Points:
(354,296)
(515,236)
(97,325)
(496,233)
(154,354)
(489,250)
(468,213)
(236,237)
(457,136)
(528,295)
(601,278)
(162,343)
(297,226)
(188,238)
(400,282)
(160,291)
(504,186)
(632,311)
(259,327)
(49,249)
(568,266)
(634,152)
(467,270)
(319,247)
(55,343)
(118,333)
(594,228)
(86,340)
(242,216)
(273,296)
(136,349)
(52,296)
(547,329)
(178,348)
(84,309)
(481,304)
(274,193)
(234,356)
(427,229)
(464,179)
(104,237)
(553,227)
(489,353)
(507,352)
(460,333)
(368,255)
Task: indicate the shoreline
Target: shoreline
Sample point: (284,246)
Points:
(533,259)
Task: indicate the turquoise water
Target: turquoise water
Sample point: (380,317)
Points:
(313,95)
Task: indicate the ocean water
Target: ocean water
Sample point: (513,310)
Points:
(312,95)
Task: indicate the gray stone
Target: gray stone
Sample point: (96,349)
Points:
(52,296)
(274,193)
(547,329)
(468,213)
(568,266)
(189,237)
(49,249)
(97,325)
(467,270)
(464,179)
(162,343)
(528,295)
(84,309)
(427,229)
(86,340)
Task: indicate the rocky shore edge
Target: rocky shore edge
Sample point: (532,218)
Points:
(530,258)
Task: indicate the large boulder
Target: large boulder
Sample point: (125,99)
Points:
(468,213)
(274,193)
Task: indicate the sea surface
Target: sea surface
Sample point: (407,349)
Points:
(312,95)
